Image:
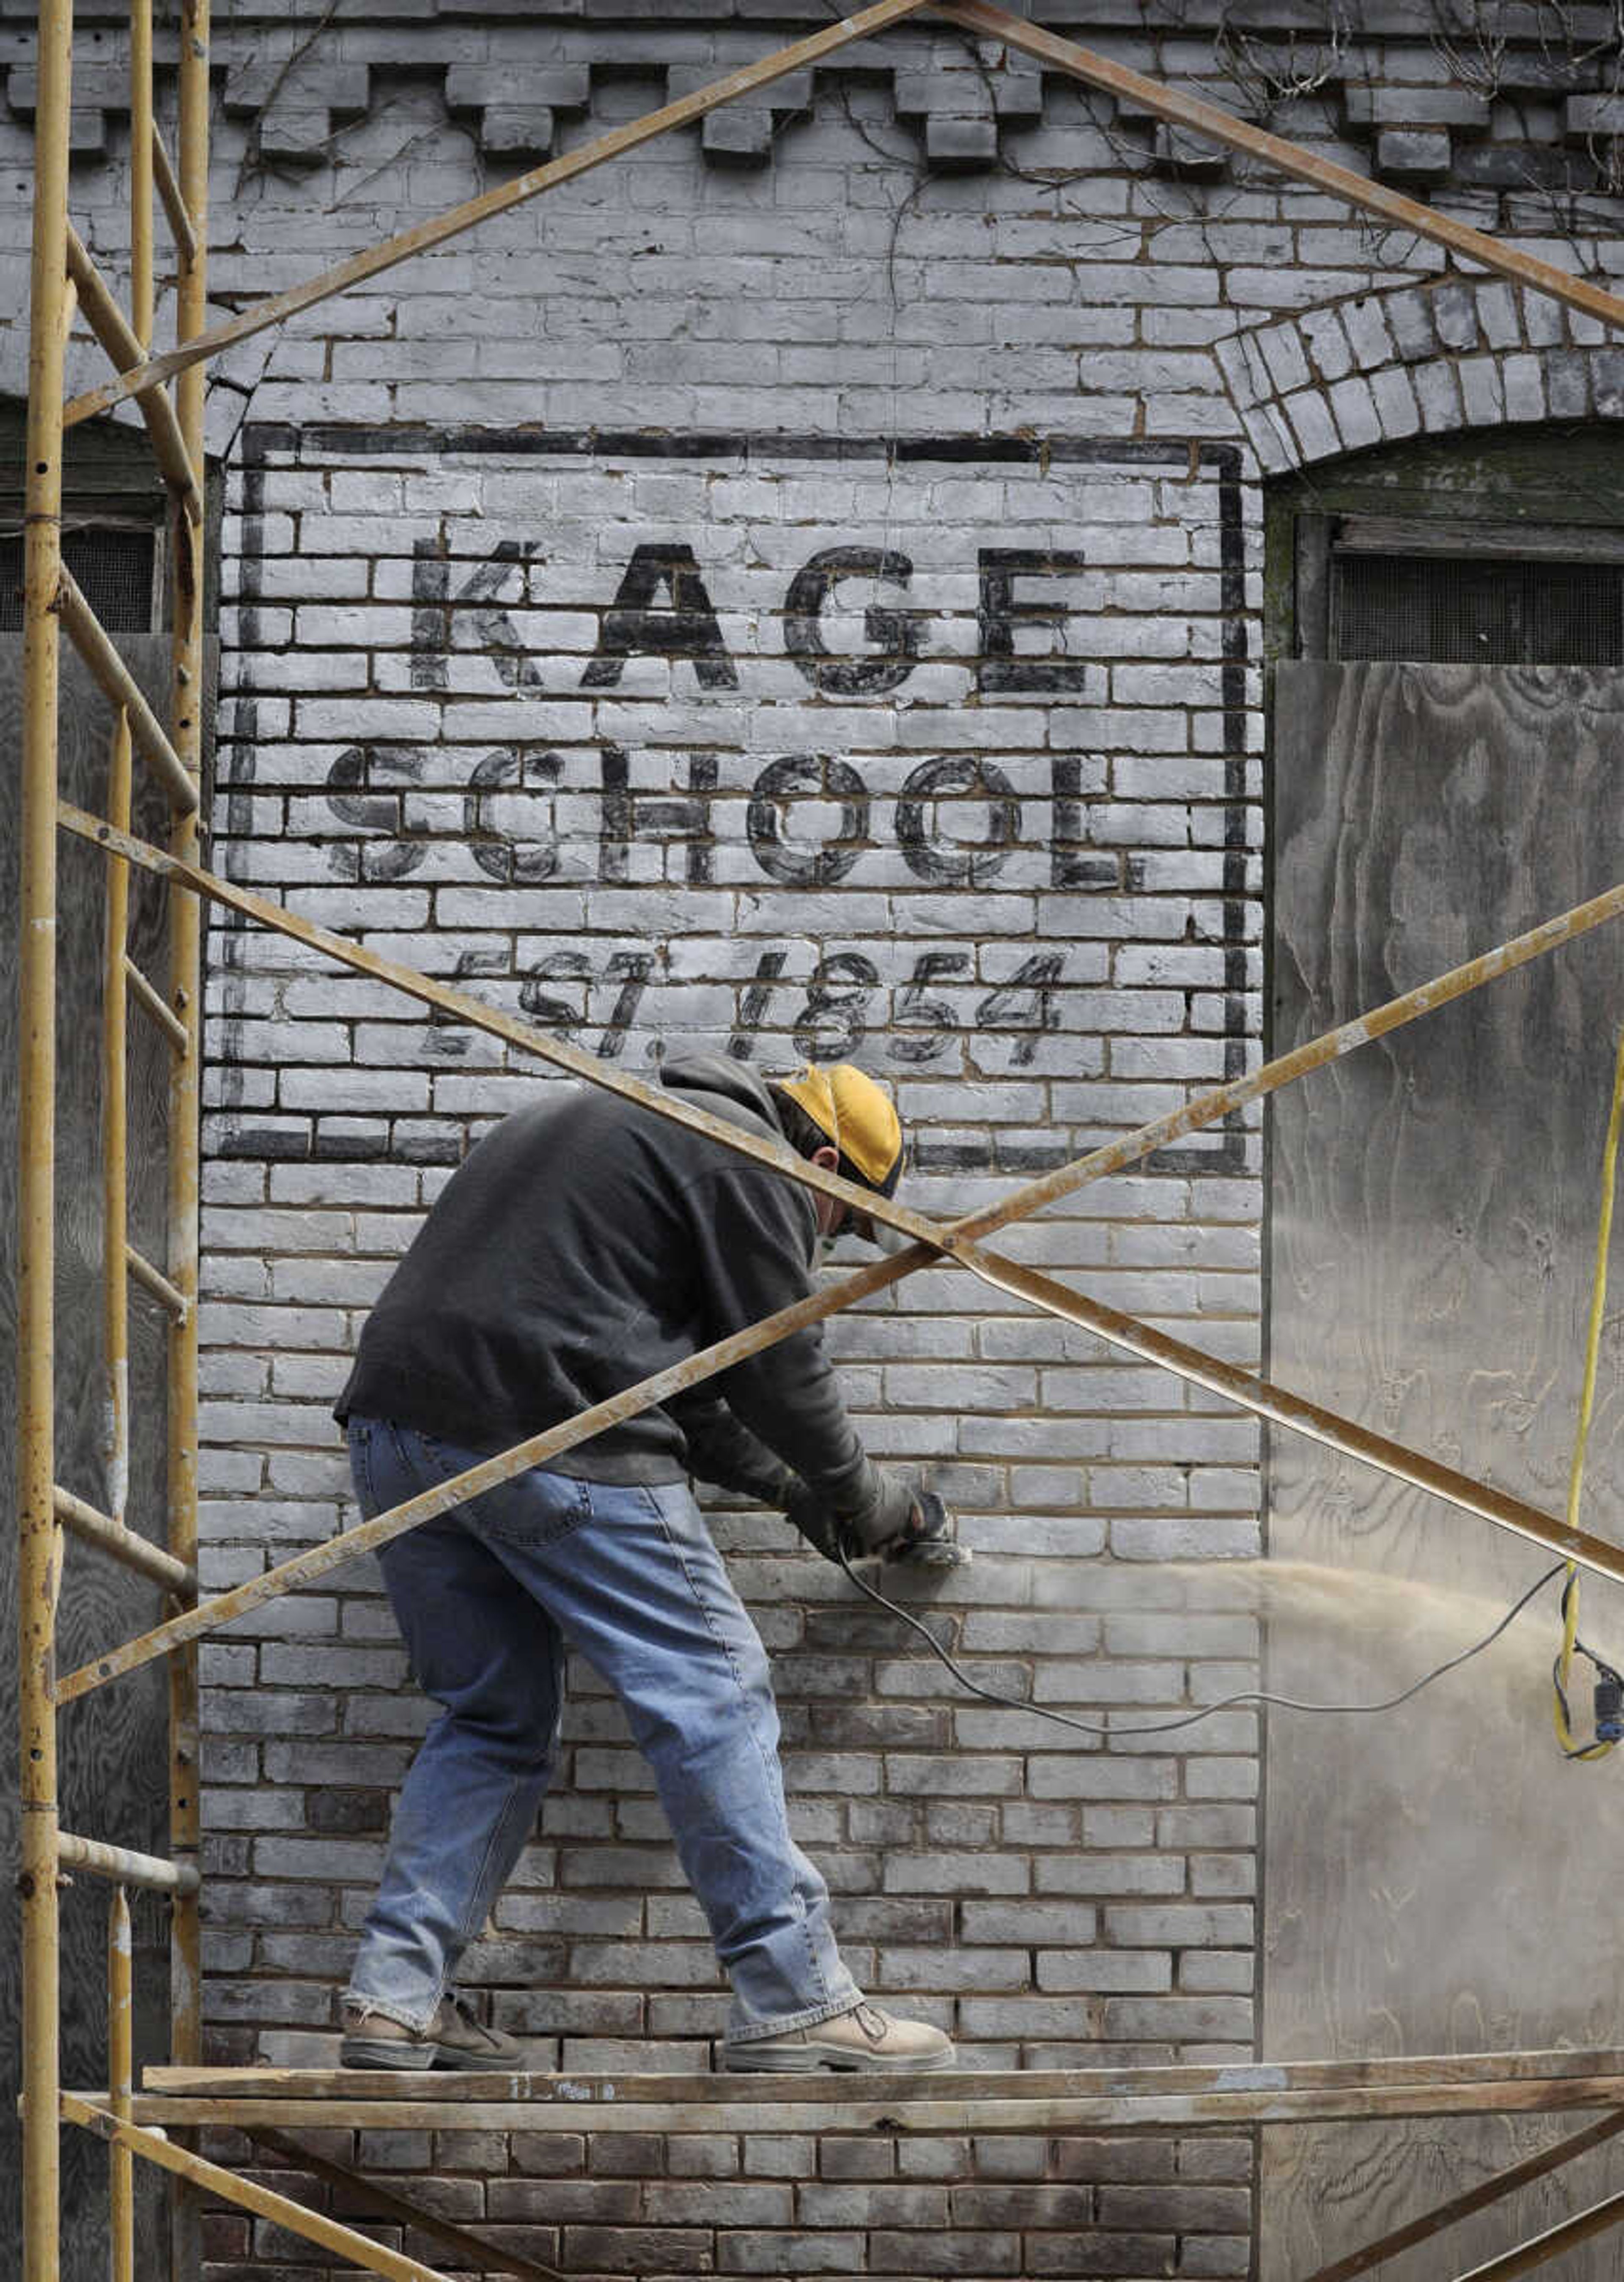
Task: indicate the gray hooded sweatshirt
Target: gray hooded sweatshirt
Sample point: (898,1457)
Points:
(586,1243)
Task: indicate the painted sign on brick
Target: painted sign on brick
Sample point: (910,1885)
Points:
(929,754)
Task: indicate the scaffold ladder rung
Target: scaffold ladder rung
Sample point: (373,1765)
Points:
(93,1527)
(154,1281)
(124,1866)
(153,1004)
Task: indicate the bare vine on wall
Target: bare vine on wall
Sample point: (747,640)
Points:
(257,165)
(1268,74)
(1292,77)
(252,163)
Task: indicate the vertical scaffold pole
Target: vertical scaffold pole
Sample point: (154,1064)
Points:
(185,1093)
(115,1149)
(39,1544)
(120,2086)
(141,132)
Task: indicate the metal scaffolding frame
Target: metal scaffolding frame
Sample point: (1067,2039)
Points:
(168,389)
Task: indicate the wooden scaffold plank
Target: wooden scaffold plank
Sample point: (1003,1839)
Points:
(953,2104)
(1111,2083)
(1149,2098)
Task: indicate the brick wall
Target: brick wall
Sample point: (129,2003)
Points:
(784,607)
(933,756)
(788,2203)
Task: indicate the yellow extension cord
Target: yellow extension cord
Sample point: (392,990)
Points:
(1586,1404)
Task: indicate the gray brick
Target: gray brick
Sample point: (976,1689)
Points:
(1201,2020)
(1215,1972)
(954,2252)
(794,2253)
(1102,2254)
(960,1968)
(1028,1922)
(949,1874)
(1396,408)
(1105,1969)
(703,2155)
(1024,2207)
(1044,2016)
(1464,108)
(1179,1925)
(885,2203)
(780,2155)
(1568,385)
(1480,390)
(1098,1875)
(560,2200)
(937,2158)
(1188,2208)
(1327,343)
(1438,393)
(317,1858)
(1522,380)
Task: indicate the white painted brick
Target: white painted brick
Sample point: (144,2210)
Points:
(1396,408)
(332,666)
(1311,423)
(1481,393)
(1522,379)
(1354,409)
(1438,393)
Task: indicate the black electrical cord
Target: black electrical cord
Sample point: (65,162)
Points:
(1190,1718)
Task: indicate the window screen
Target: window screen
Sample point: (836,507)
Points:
(112,566)
(1464,610)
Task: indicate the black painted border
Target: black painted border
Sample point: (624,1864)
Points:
(261,440)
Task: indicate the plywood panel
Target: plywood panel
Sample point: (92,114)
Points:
(114,1761)
(1438,1879)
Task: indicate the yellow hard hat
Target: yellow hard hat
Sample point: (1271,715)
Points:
(858,1116)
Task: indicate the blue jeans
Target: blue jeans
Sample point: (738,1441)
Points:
(487,1596)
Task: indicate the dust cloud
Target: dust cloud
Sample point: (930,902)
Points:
(1338,1634)
(1329,1634)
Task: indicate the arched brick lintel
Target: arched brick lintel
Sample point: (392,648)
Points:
(1420,359)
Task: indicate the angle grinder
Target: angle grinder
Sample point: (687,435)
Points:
(925,1543)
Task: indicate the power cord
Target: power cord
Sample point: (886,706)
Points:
(1608,1686)
(1608,1695)
(1188,1718)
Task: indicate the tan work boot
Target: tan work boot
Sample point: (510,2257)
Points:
(865,2037)
(452,2039)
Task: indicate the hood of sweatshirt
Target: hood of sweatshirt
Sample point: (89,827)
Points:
(724,1079)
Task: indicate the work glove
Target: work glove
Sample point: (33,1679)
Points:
(885,1512)
(806,1511)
